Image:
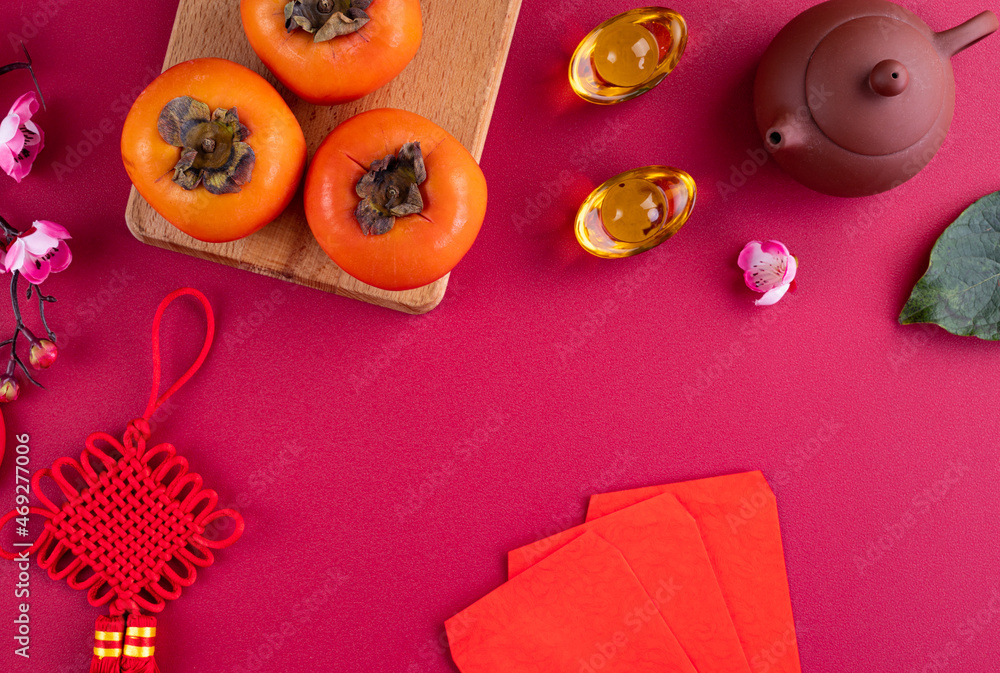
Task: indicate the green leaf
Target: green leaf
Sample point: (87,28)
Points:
(961,289)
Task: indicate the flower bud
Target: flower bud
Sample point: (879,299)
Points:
(43,354)
(8,389)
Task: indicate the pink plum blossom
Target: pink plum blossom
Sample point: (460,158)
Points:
(42,354)
(9,389)
(768,268)
(20,138)
(39,251)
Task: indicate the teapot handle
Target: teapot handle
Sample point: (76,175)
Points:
(950,42)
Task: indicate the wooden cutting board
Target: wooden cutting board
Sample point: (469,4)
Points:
(453,81)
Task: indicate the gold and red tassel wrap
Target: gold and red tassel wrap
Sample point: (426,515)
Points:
(140,645)
(108,638)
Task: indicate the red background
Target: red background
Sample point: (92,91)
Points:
(405,455)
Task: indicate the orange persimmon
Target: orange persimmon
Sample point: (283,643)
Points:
(395,200)
(333,51)
(214,149)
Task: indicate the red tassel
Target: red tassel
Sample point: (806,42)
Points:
(140,644)
(108,635)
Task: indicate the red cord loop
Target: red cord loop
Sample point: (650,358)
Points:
(154,401)
(9,516)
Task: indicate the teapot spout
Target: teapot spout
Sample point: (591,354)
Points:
(950,42)
(785,133)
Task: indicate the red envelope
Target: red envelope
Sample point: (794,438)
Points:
(738,520)
(661,543)
(581,610)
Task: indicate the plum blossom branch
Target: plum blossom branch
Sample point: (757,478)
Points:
(34,254)
(25,65)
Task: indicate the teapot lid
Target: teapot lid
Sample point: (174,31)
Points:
(876,85)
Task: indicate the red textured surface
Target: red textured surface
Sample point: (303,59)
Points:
(385,463)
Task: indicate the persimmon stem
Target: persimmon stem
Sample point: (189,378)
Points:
(390,189)
(214,151)
(326,19)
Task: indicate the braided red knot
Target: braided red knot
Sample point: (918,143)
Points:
(138,527)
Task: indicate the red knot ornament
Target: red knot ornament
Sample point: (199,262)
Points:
(135,525)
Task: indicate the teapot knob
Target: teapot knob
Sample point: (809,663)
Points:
(889,78)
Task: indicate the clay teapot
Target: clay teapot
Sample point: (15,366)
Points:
(854,97)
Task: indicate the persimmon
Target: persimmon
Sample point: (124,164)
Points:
(395,200)
(333,51)
(214,149)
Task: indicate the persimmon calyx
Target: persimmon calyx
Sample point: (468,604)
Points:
(326,19)
(213,151)
(390,189)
